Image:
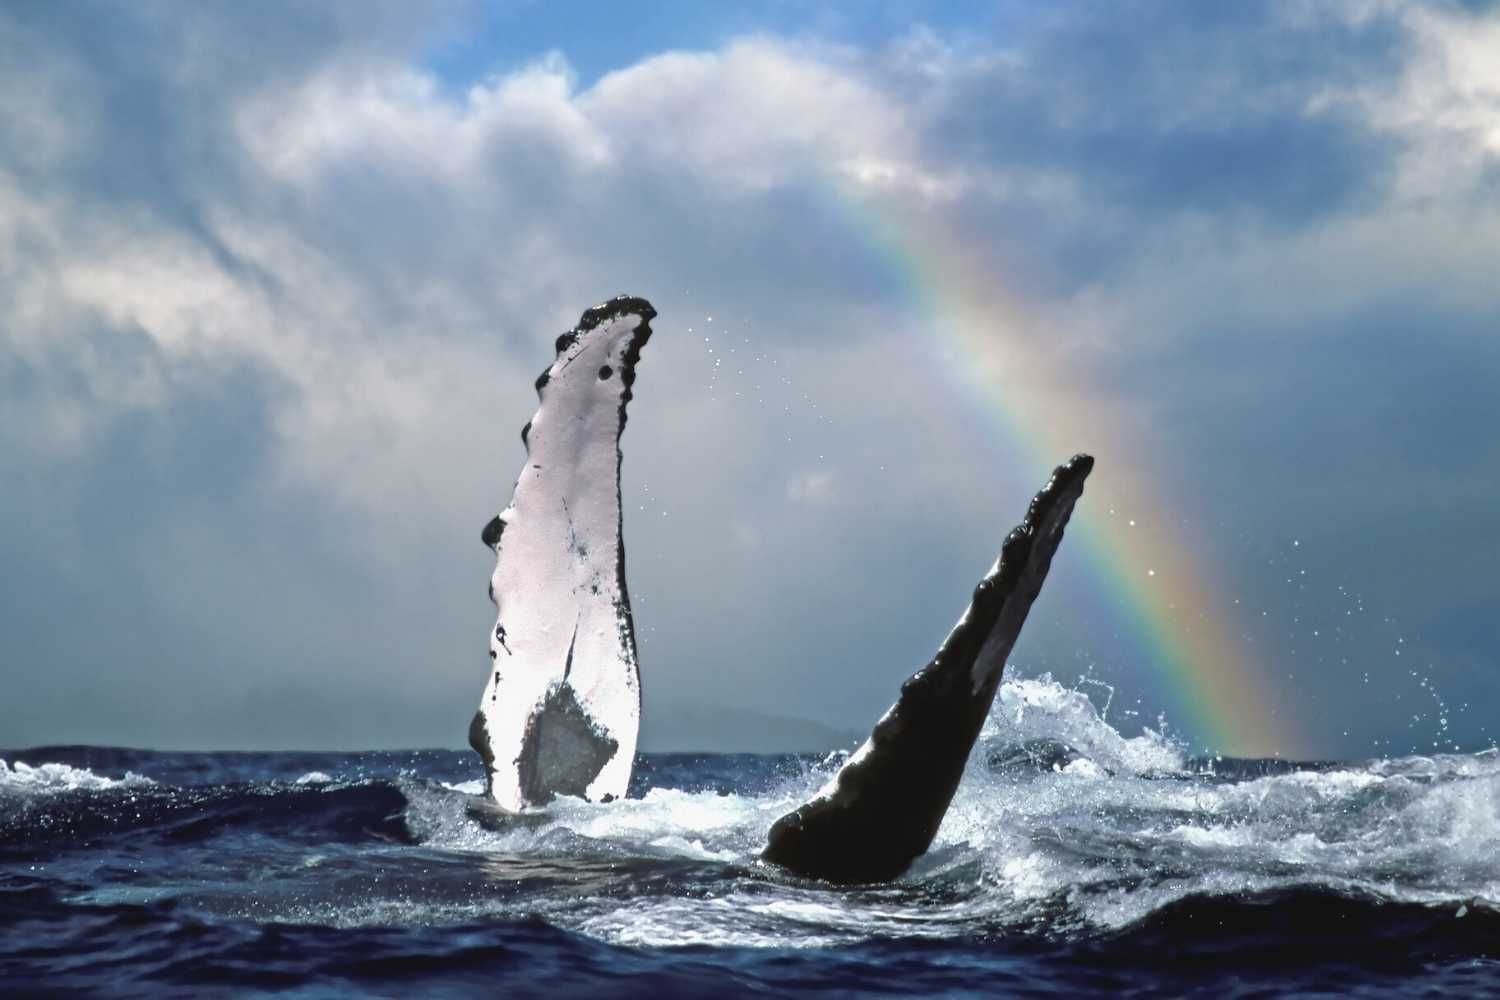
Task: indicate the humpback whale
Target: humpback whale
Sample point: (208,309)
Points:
(561,707)
(883,807)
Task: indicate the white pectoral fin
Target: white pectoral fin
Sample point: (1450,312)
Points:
(562,714)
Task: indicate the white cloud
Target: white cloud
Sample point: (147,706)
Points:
(1445,103)
(757,114)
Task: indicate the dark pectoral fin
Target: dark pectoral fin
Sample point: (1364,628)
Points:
(886,804)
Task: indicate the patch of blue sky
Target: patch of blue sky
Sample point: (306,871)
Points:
(597,38)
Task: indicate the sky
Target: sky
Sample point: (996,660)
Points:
(275,281)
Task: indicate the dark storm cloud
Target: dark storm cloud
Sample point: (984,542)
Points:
(1353,482)
(1163,111)
(165,591)
(149,82)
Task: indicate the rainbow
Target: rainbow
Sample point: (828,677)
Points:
(1167,601)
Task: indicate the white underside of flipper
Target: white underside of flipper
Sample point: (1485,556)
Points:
(561,710)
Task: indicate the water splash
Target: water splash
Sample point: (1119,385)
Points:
(1062,827)
(53,777)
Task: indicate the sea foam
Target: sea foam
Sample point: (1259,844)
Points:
(42,778)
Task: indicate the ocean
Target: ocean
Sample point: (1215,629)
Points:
(1074,862)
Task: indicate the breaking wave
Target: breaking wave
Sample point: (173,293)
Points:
(1065,837)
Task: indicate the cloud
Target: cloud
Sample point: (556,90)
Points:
(1444,103)
(275,291)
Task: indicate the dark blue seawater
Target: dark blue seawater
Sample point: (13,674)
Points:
(1073,862)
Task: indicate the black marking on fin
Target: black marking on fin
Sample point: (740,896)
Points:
(479,739)
(491,535)
(568,666)
(563,750)
(632,356)
(620,305)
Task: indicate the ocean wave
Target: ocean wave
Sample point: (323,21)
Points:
(1096,834)
(26,779)
(101,811)
(1061,827)
(1301,940)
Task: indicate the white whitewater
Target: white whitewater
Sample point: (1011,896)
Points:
(1099,838)
(22,778)
(561,710)
(1061,824)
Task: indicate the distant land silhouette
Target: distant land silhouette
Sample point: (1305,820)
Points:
(681,727)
